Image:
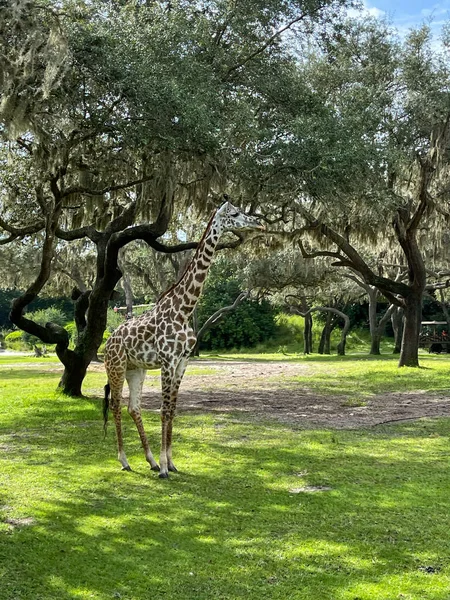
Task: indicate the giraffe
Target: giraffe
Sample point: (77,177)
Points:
(162,337)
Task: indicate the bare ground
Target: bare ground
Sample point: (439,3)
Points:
(266,390)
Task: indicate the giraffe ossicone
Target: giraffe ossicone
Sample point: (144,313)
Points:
(162,337)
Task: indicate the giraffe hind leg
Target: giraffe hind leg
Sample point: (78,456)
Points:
(135,379)
(116,408)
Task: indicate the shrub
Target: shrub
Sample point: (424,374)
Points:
(252,322)
(15,341)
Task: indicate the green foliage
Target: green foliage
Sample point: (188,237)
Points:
(15,341)
(290,329)
(14,336)
(20,340)
(114,319)
(6,297)
(252,321)
(52,314)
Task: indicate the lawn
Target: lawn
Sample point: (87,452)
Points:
(242,519)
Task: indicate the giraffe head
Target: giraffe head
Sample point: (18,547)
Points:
(231,217)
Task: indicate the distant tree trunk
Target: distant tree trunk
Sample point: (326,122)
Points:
(329,326)
(307,330)
(343,340)
(126,285)
(325,337)
(307,335)
(409,355)
(397,326)
(376,327)
(129,298)
(375,333)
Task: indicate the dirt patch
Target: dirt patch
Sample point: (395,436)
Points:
(16,522)
(266,390)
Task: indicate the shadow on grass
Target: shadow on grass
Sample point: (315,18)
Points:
(30,373)
(227,526)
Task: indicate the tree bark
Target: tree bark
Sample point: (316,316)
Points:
(307,335)
(397,326)
(409,354)
(325,337)
(73,375)
(329,326)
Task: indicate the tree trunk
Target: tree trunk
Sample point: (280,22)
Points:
(324,344)
(343,341)
(375,334)
(409,355)
(307,335)
(375,340)
(129,297)
(341,346)
(73,376)
(397,326)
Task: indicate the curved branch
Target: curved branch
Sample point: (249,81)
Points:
(88,231)
(341,345)
(51,333)
(78,189)
(389,288)
(21,231)
(218,316)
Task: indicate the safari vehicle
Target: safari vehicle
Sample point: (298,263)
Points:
(434,336)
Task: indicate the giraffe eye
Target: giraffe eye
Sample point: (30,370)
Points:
(234,214)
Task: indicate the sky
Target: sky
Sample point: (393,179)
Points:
(405,14)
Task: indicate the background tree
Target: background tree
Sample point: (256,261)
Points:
(380,125)
(115,117)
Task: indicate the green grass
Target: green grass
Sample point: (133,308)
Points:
(231,524)
(365,377)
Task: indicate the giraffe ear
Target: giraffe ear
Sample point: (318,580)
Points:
(226,197)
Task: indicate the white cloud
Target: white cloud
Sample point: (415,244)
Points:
(366,9)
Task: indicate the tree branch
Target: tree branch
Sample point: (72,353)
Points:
(88,231)
(78,189)
(261,49)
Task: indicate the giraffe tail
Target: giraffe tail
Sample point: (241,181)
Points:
(106,408)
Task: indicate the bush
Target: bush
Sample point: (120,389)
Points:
(114,319)
(252,321)
(15,341)
(290,328)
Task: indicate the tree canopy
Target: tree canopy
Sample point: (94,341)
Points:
(124,122)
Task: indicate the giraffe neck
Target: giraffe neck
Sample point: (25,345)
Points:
(187,291)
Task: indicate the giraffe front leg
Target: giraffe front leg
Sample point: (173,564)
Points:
(163,458)
(171,380)
(179,374)
(135,379)
(170,464)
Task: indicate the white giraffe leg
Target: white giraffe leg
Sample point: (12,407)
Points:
(135,379)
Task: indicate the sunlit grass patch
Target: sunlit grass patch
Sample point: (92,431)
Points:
(73,525)
(362,378)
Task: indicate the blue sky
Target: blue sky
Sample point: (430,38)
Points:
(410,13)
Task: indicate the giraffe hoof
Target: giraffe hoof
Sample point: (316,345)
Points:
(127,468)
(164,475)
(155,468)
(173,469)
